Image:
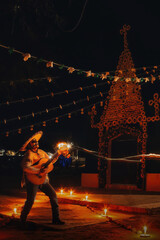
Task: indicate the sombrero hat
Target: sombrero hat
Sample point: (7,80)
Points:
(36,136)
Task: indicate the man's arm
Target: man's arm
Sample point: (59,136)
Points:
(27,164)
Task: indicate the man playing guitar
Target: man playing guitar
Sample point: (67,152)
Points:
(36,164)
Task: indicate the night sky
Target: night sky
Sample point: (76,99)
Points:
(81,34)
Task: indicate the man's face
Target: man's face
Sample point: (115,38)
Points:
(34,145)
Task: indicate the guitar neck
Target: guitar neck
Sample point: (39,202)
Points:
(51,159)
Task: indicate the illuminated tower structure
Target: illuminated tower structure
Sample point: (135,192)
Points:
(123,115)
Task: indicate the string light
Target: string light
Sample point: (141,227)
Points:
(29,80)
(19,131)
(70,69)
(49,64)
(82,111)
(7,134)
(31,128)
(66,91)
(56,119)
(55,108)
(89,73)
(44,124)
(26,56)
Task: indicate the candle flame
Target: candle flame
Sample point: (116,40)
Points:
(61,191)
(71,192)
(145,229)
(15,210)
(105,211)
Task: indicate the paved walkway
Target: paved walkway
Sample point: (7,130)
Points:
(73,215)
(81,219)
(132,203)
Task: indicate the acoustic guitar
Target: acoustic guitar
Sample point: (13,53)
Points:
(45,166)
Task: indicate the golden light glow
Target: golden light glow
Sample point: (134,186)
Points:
(86,197)
(61,144)
(68,145)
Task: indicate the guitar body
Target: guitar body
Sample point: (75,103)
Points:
(40,178)
(46,165)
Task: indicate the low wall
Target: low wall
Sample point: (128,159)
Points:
(89,180)
(153,182)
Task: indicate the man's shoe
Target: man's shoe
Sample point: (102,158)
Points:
(58,222)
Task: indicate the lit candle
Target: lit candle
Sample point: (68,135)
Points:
(15,211)
(105,211)
(145,229)
(61,191)
(145,234)
(71,192)
(86,197)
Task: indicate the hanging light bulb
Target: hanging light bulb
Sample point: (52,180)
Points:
(44,124)
(70,69)
(101,103)
(19,130)
(49,64)
(26,56)
(82,111)
(31,127)
(7,134)
(56,120)
(31,80)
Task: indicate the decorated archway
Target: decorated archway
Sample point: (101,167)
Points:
(123,114)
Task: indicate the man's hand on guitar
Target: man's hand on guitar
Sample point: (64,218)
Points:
(43,170)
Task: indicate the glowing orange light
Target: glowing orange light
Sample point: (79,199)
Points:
(61,144)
